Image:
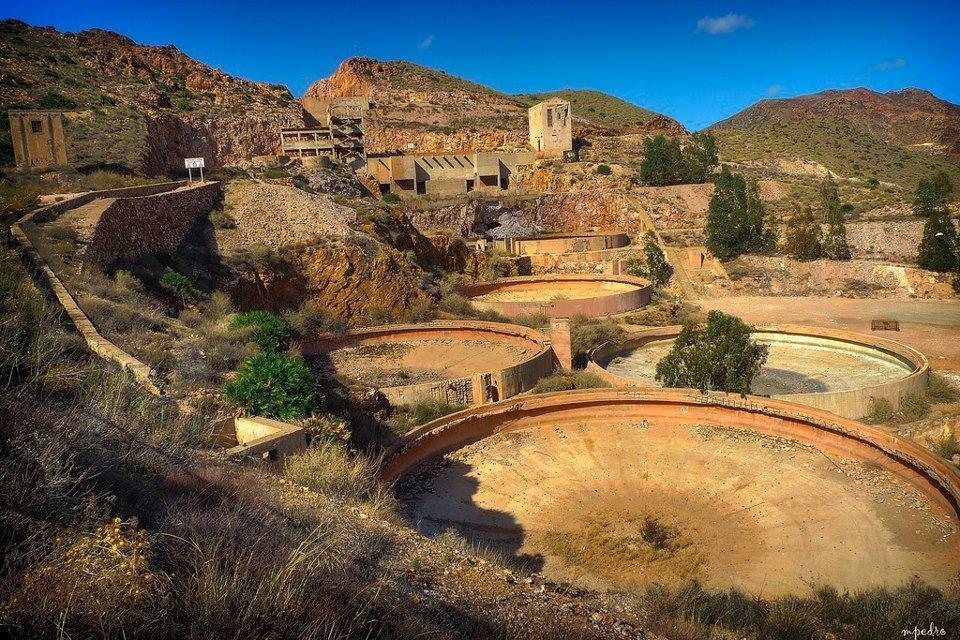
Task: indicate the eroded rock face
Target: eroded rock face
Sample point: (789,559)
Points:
(351,280)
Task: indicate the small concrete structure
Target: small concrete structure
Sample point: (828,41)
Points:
(256,437)
(551,127)
(457,362)
(334,127)
(37,138)
(830,369)
(561,296)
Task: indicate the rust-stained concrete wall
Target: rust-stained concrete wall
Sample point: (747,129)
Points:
(935,478)
(131,227)
(600,305)
(553,244)
(849,403)
(508,381)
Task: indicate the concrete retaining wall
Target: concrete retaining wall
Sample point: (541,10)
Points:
(601,305)
(49,212)
(935,478)
(554,244)
(849,403)
(508,381)
(131,227)
(255,437)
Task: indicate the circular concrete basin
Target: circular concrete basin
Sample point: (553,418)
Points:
(836,370)
(560,296)
(436,359)
(621,488)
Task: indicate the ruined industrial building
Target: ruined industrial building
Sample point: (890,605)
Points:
(415,357)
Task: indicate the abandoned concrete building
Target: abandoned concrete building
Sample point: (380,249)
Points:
(481,171)
(37,138)
(447,174)
(551,130)
(333,127)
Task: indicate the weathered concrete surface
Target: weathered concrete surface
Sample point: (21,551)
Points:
(256,437)
(561,296)
(762,495)
(462,362)
(839,371)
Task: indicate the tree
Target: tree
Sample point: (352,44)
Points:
(931,194)
(700,157)
(654,265)
(735,218)
(802,235)
(835,245)
(662,161)
(938,247)
(719,356)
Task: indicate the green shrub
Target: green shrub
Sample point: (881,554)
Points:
(275,174)
(273,385)
(913,407)
(946,445)
(272,333)
(391,198)
(589,333)
(179,283)
(425,411)
(569,380)
(604,170)
(880,411)
(54,100)
(312,319)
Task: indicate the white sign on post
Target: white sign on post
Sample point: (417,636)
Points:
(193,163)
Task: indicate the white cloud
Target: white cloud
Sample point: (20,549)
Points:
(774,90)
(426,42)
(886,65)
(724,24)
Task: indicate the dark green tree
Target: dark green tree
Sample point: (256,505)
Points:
(662,161)
(835,245)
(802,235)
(938,247)
(700,157)
(930,197)
(718,356)
(736,218)
(657,268)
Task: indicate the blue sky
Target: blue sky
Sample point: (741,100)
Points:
(698,62)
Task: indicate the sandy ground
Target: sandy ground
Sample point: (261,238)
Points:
(790,367)
(276,215)
(738,510)
(554,290)
(930,326)
(415,362)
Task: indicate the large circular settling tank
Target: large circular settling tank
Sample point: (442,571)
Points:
(621,488)
(561,295)
(460,362)
(835,370)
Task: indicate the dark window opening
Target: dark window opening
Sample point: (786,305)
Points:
(421,187)
(470,185)
(36,126)
(549,117)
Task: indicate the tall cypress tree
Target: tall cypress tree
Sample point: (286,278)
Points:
(835,245)
(938,247)
(736,221)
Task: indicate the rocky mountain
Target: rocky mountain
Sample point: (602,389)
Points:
(438,112)
(136,107)
(898,136)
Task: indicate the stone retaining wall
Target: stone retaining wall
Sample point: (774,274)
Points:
(131,227)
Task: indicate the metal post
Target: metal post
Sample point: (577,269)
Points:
(190,174)
(201,174)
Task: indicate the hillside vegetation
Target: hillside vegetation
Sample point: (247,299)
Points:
(898,137)
(131,106)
